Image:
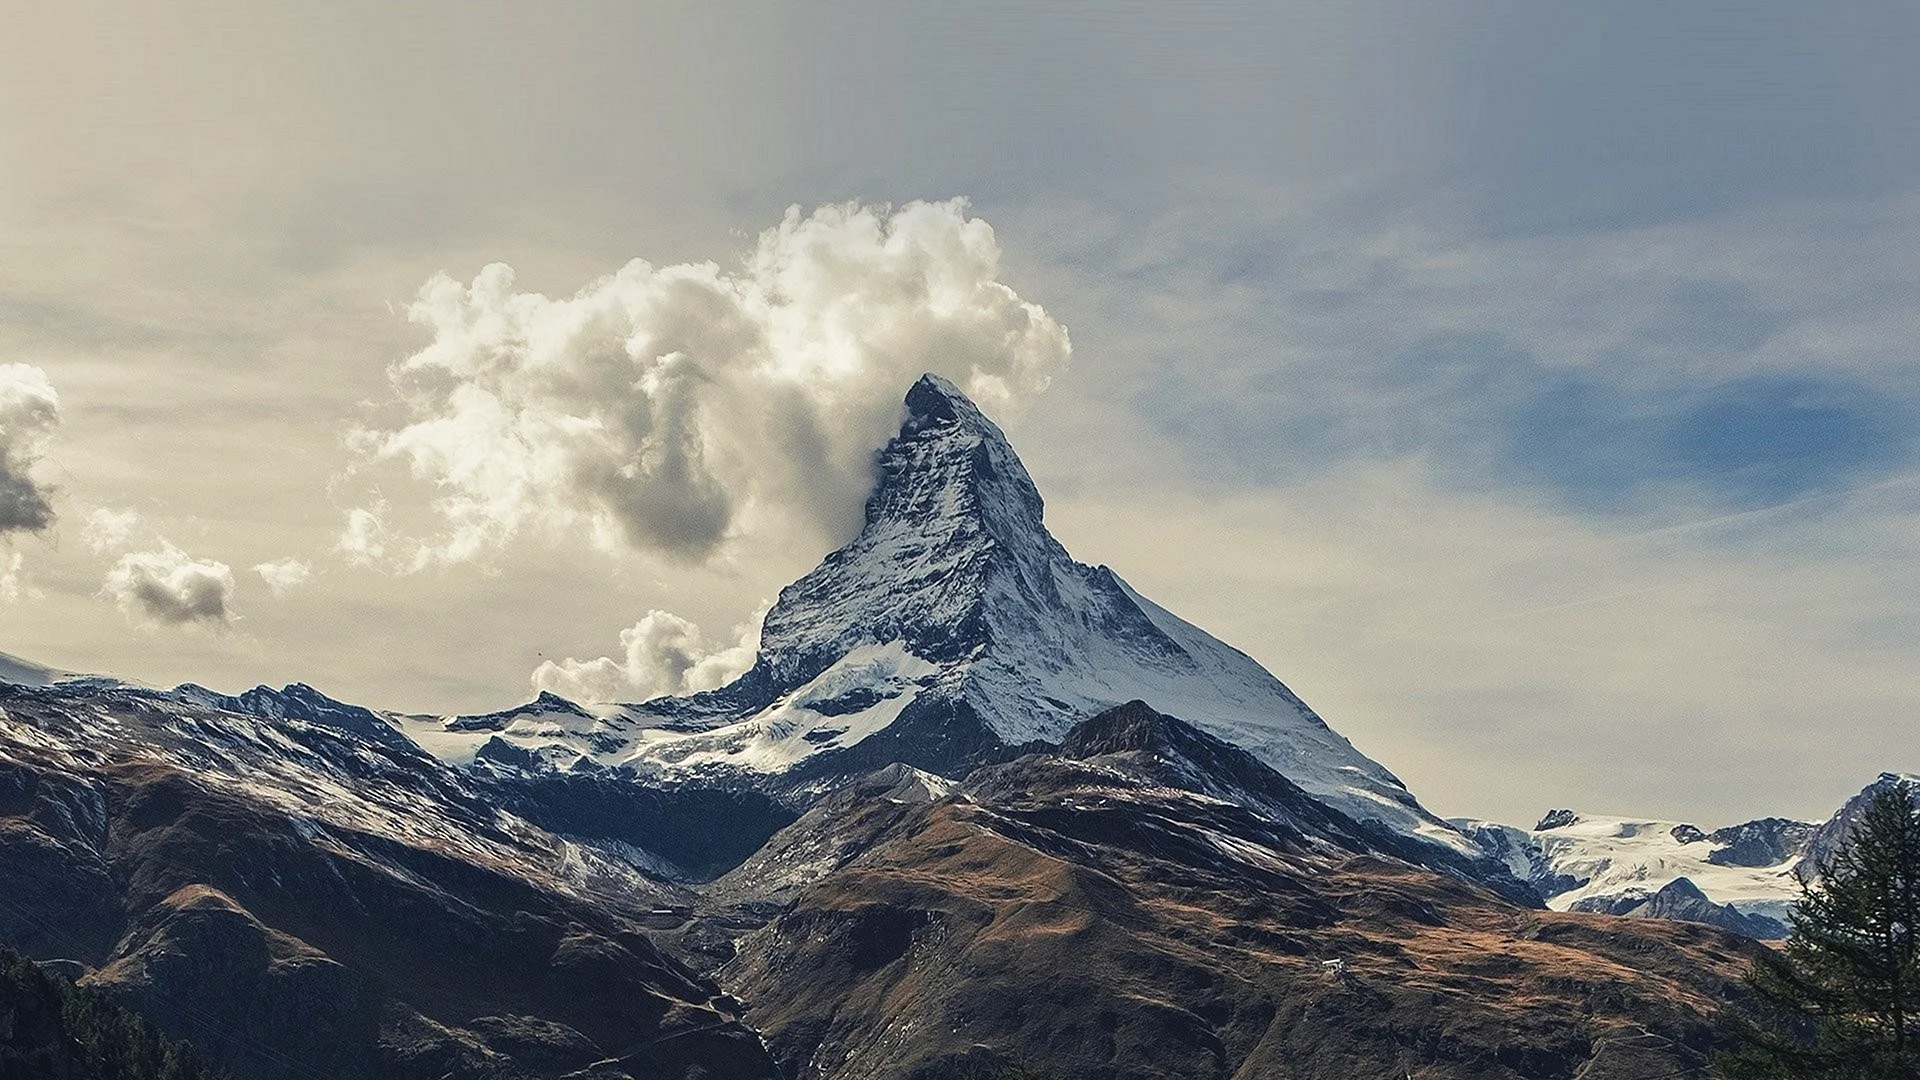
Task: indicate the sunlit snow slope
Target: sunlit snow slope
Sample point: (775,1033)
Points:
(1580,862)
(1576,861)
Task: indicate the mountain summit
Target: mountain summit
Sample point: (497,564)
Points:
(952,630)
(953,520)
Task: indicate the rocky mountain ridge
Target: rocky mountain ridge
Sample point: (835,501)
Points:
(302,898)
(953,630)
(1099,911)
(1745,877)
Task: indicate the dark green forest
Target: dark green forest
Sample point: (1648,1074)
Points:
(51,1029)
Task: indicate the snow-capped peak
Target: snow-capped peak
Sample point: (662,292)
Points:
(954,627)
(951,508)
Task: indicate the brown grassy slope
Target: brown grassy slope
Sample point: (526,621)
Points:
(1097,943)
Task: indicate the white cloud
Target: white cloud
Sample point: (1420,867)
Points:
(168,587)
(284,575)
(107,529)
(662,654)
(364,541)
(29,413)
(13,579)
(667,408)
(370,542)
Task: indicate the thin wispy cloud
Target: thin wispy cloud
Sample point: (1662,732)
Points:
(1649,371)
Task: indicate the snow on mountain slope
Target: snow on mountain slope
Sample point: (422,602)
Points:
(338,772)
(953,623)
(1612,858)
(1580,862)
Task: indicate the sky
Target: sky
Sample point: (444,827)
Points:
(1533,387)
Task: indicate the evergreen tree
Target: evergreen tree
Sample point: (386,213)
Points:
(1842,999)
(53,1030)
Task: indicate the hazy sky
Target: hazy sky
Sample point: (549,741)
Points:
(1532,386)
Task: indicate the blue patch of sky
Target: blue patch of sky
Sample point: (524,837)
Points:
(1486,413)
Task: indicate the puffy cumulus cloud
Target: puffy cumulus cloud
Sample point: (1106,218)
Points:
(284,575)
(168,587)
(661,654)
(666,408)
(29,413)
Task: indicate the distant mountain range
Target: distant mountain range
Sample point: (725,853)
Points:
(975,806)
(1745,877)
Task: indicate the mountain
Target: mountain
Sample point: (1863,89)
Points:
(975,805)
(49,1030)
(1746,876)
(1614,864)
(299,701)
(1828,837)
(14,669)
(1122,908)
(298,897)
(1131,753)
(954,630)
(1682,899)
(301,894)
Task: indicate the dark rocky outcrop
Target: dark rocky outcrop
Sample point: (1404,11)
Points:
(1682,899)
(1766,842)
(1556,819)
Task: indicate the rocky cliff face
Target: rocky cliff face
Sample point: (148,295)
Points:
(1827,837)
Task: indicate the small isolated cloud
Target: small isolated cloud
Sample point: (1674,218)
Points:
(284,575)
(364,541)
(29,413)
(168,587)
(13,580)
(107,529)
(662,654)
(369,542)
(667,408)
